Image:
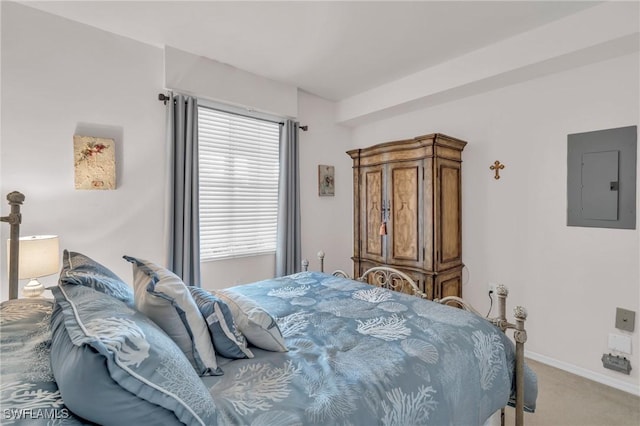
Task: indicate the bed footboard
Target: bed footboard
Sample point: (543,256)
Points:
(379,276)
(394,280)
(391,279)
(519,335)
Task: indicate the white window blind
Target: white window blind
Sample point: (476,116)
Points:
(238,184)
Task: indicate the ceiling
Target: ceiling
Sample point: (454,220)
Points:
(331,49)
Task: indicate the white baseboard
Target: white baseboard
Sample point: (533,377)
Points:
(588,374)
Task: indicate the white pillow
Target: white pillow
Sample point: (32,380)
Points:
(257,325)
(165,299)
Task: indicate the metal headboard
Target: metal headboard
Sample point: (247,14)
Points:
(15,218)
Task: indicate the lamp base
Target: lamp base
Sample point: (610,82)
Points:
(33,289)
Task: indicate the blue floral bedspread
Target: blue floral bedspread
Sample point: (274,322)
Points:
(358,355)
(361,355)
(29,393)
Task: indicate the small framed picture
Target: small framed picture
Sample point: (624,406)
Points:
(95,162)
(326,186)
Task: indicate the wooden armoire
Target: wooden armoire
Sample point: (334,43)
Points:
(407,210)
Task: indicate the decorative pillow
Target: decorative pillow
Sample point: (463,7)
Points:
(257,325)
(79,269)
(113,365)
(163,297)
(227,339)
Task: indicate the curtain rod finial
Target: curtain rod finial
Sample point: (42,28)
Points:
(304,128)
(164,98)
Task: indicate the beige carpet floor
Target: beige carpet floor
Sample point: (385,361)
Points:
(565,399)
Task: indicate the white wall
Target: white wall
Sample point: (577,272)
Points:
(326,221)
(217,274)
(60,78)
(210,79)
(570,279)
(606,30)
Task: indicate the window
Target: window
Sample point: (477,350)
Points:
(238,184)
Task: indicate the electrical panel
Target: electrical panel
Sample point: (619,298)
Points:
(601,178)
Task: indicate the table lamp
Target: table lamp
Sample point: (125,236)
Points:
(39,257)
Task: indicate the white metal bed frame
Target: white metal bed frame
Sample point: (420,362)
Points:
(393,279)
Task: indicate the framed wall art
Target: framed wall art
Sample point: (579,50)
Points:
(326,185)
(95,162)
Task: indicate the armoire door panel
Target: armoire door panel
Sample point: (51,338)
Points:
(373,212)
(405,219)
(449,283)
(450,287)
(450,235)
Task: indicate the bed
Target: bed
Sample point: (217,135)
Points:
(309,348)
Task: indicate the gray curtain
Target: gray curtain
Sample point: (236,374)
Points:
(288,237)
(184,223)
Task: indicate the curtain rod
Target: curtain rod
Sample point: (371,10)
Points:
(164,99)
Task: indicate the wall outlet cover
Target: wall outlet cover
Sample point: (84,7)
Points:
(616,363)
(625,319)
(620,343)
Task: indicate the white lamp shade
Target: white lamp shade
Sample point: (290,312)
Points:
(39,256)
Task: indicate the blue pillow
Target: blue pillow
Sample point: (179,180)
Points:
(79,269)
(227,339)
(258,326)
(120,355)
(70,365)
(163,297)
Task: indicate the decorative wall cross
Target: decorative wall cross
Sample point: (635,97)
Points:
(497,167)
